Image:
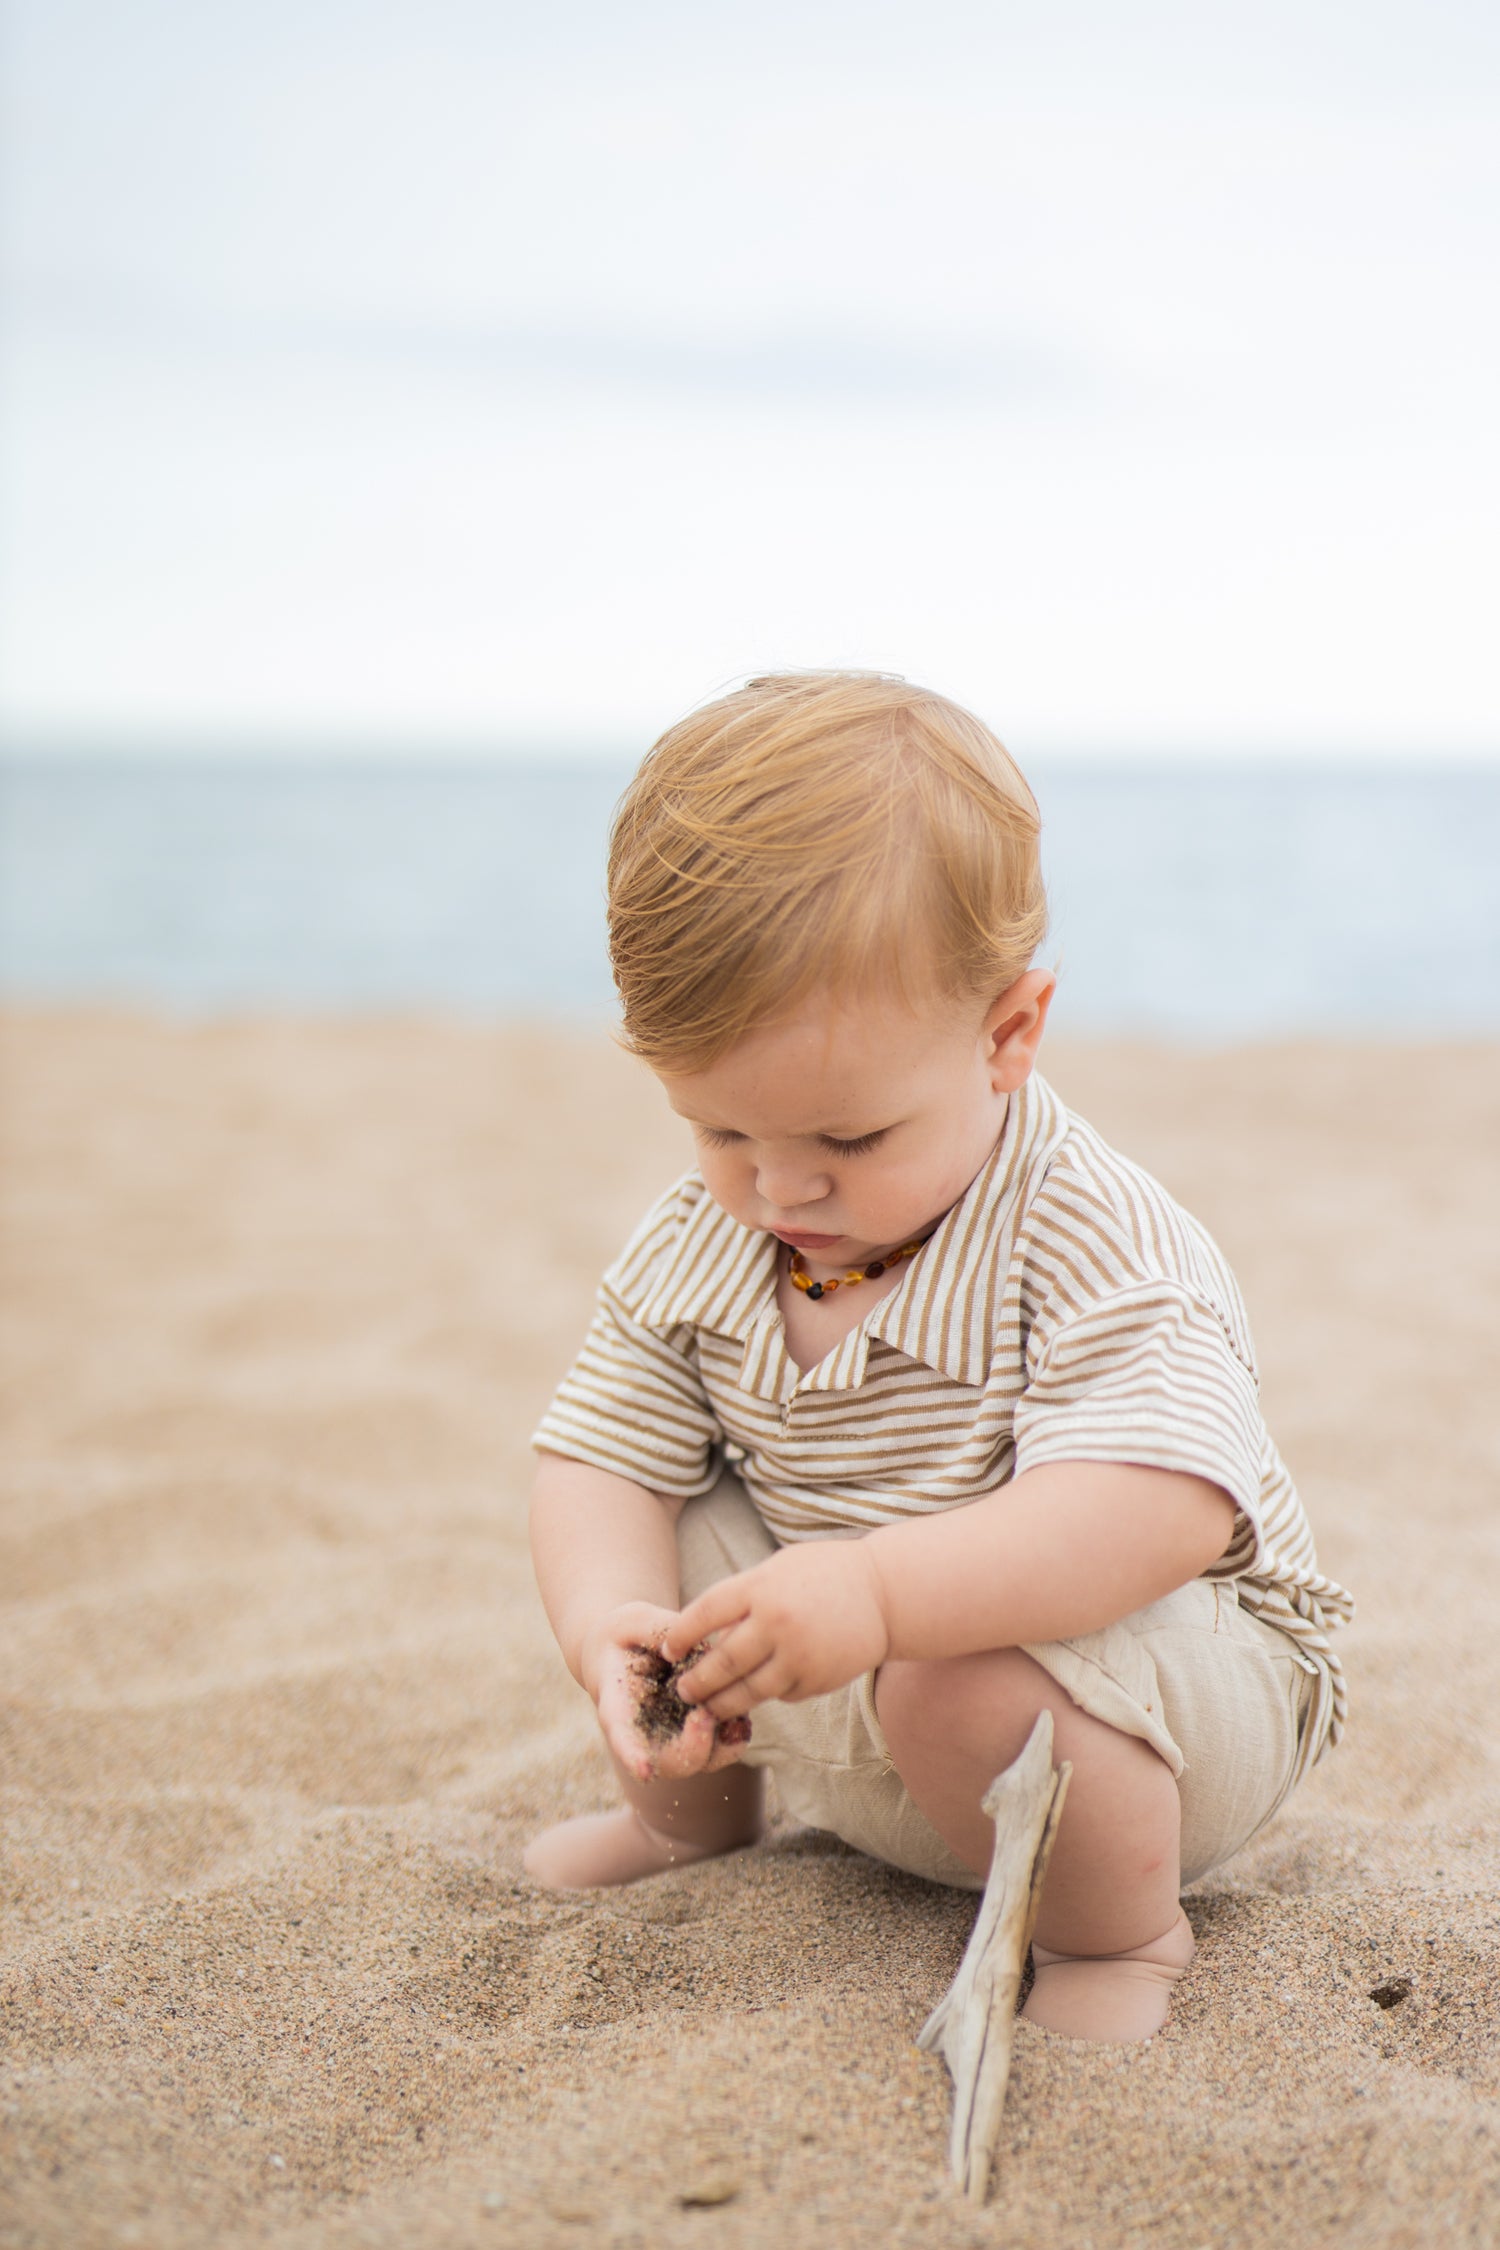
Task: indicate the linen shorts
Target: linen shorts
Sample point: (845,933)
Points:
(1221,1695)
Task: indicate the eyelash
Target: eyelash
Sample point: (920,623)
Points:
(716,1137)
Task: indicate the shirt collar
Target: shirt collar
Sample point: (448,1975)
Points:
(947,1313)
(722,1276)
(719,1275)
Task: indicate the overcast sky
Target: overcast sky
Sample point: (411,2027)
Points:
(467,373)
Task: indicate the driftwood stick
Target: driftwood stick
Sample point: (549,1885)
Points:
(973,2025)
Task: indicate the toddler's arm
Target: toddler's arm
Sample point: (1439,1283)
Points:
(1065,1548)
(605,1552)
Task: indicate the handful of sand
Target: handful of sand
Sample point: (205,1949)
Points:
(661,1714)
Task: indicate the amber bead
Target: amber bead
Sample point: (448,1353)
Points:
(873,1272)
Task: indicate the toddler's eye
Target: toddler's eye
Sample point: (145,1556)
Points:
(861,1147)
(716,1136)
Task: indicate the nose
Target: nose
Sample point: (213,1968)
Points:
(789,1185)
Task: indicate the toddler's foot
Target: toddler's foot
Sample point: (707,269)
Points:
(1110,1995)
(602,1848)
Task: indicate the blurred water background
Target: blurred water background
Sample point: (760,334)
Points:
(432,400)
(1207,902)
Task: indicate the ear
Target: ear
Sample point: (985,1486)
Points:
(1013,1027)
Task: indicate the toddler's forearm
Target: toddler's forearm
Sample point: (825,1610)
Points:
(1064,1549)
(598,1542)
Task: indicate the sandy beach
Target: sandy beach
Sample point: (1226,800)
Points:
(280,1303)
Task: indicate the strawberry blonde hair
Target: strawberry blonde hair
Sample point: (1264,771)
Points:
(816,831)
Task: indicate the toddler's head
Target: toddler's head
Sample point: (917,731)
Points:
(817,833)
(824,894)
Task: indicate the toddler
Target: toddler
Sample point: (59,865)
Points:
(914,1401)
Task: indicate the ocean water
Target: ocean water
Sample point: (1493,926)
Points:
(1209,903)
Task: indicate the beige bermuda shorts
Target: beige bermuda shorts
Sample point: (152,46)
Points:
(1221,1695)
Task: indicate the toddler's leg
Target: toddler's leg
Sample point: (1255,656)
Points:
(661,1824)
(1111,1939)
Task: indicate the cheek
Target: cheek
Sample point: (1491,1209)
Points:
(728,1176)
(921,1177)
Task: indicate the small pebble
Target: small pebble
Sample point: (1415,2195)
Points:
(714,2187)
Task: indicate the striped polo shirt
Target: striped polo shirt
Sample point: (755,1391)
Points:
(1065,1309)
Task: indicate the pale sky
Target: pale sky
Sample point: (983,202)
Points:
(468,374)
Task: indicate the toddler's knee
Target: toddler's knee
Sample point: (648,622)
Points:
(946,1699)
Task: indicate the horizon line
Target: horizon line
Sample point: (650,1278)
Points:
(279,746)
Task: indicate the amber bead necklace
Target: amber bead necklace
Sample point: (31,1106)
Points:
(803,1280)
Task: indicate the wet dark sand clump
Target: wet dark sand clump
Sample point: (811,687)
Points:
(661,1713)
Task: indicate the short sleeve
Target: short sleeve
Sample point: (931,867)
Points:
(633,1402)
(1148,1375)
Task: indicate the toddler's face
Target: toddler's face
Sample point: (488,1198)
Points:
(856,1124)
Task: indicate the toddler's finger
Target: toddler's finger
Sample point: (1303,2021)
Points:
(630,1751)
(720,1606)
(690,1752)
(759,1685)
(733,1655)
(731,1742)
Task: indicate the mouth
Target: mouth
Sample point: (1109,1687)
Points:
(806,1241)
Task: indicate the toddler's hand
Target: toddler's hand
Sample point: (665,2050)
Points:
(614,1675)
(807,1620)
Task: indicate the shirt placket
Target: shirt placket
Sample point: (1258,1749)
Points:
(767,1369)
(769,1372)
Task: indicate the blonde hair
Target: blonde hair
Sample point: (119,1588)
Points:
(812,831)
